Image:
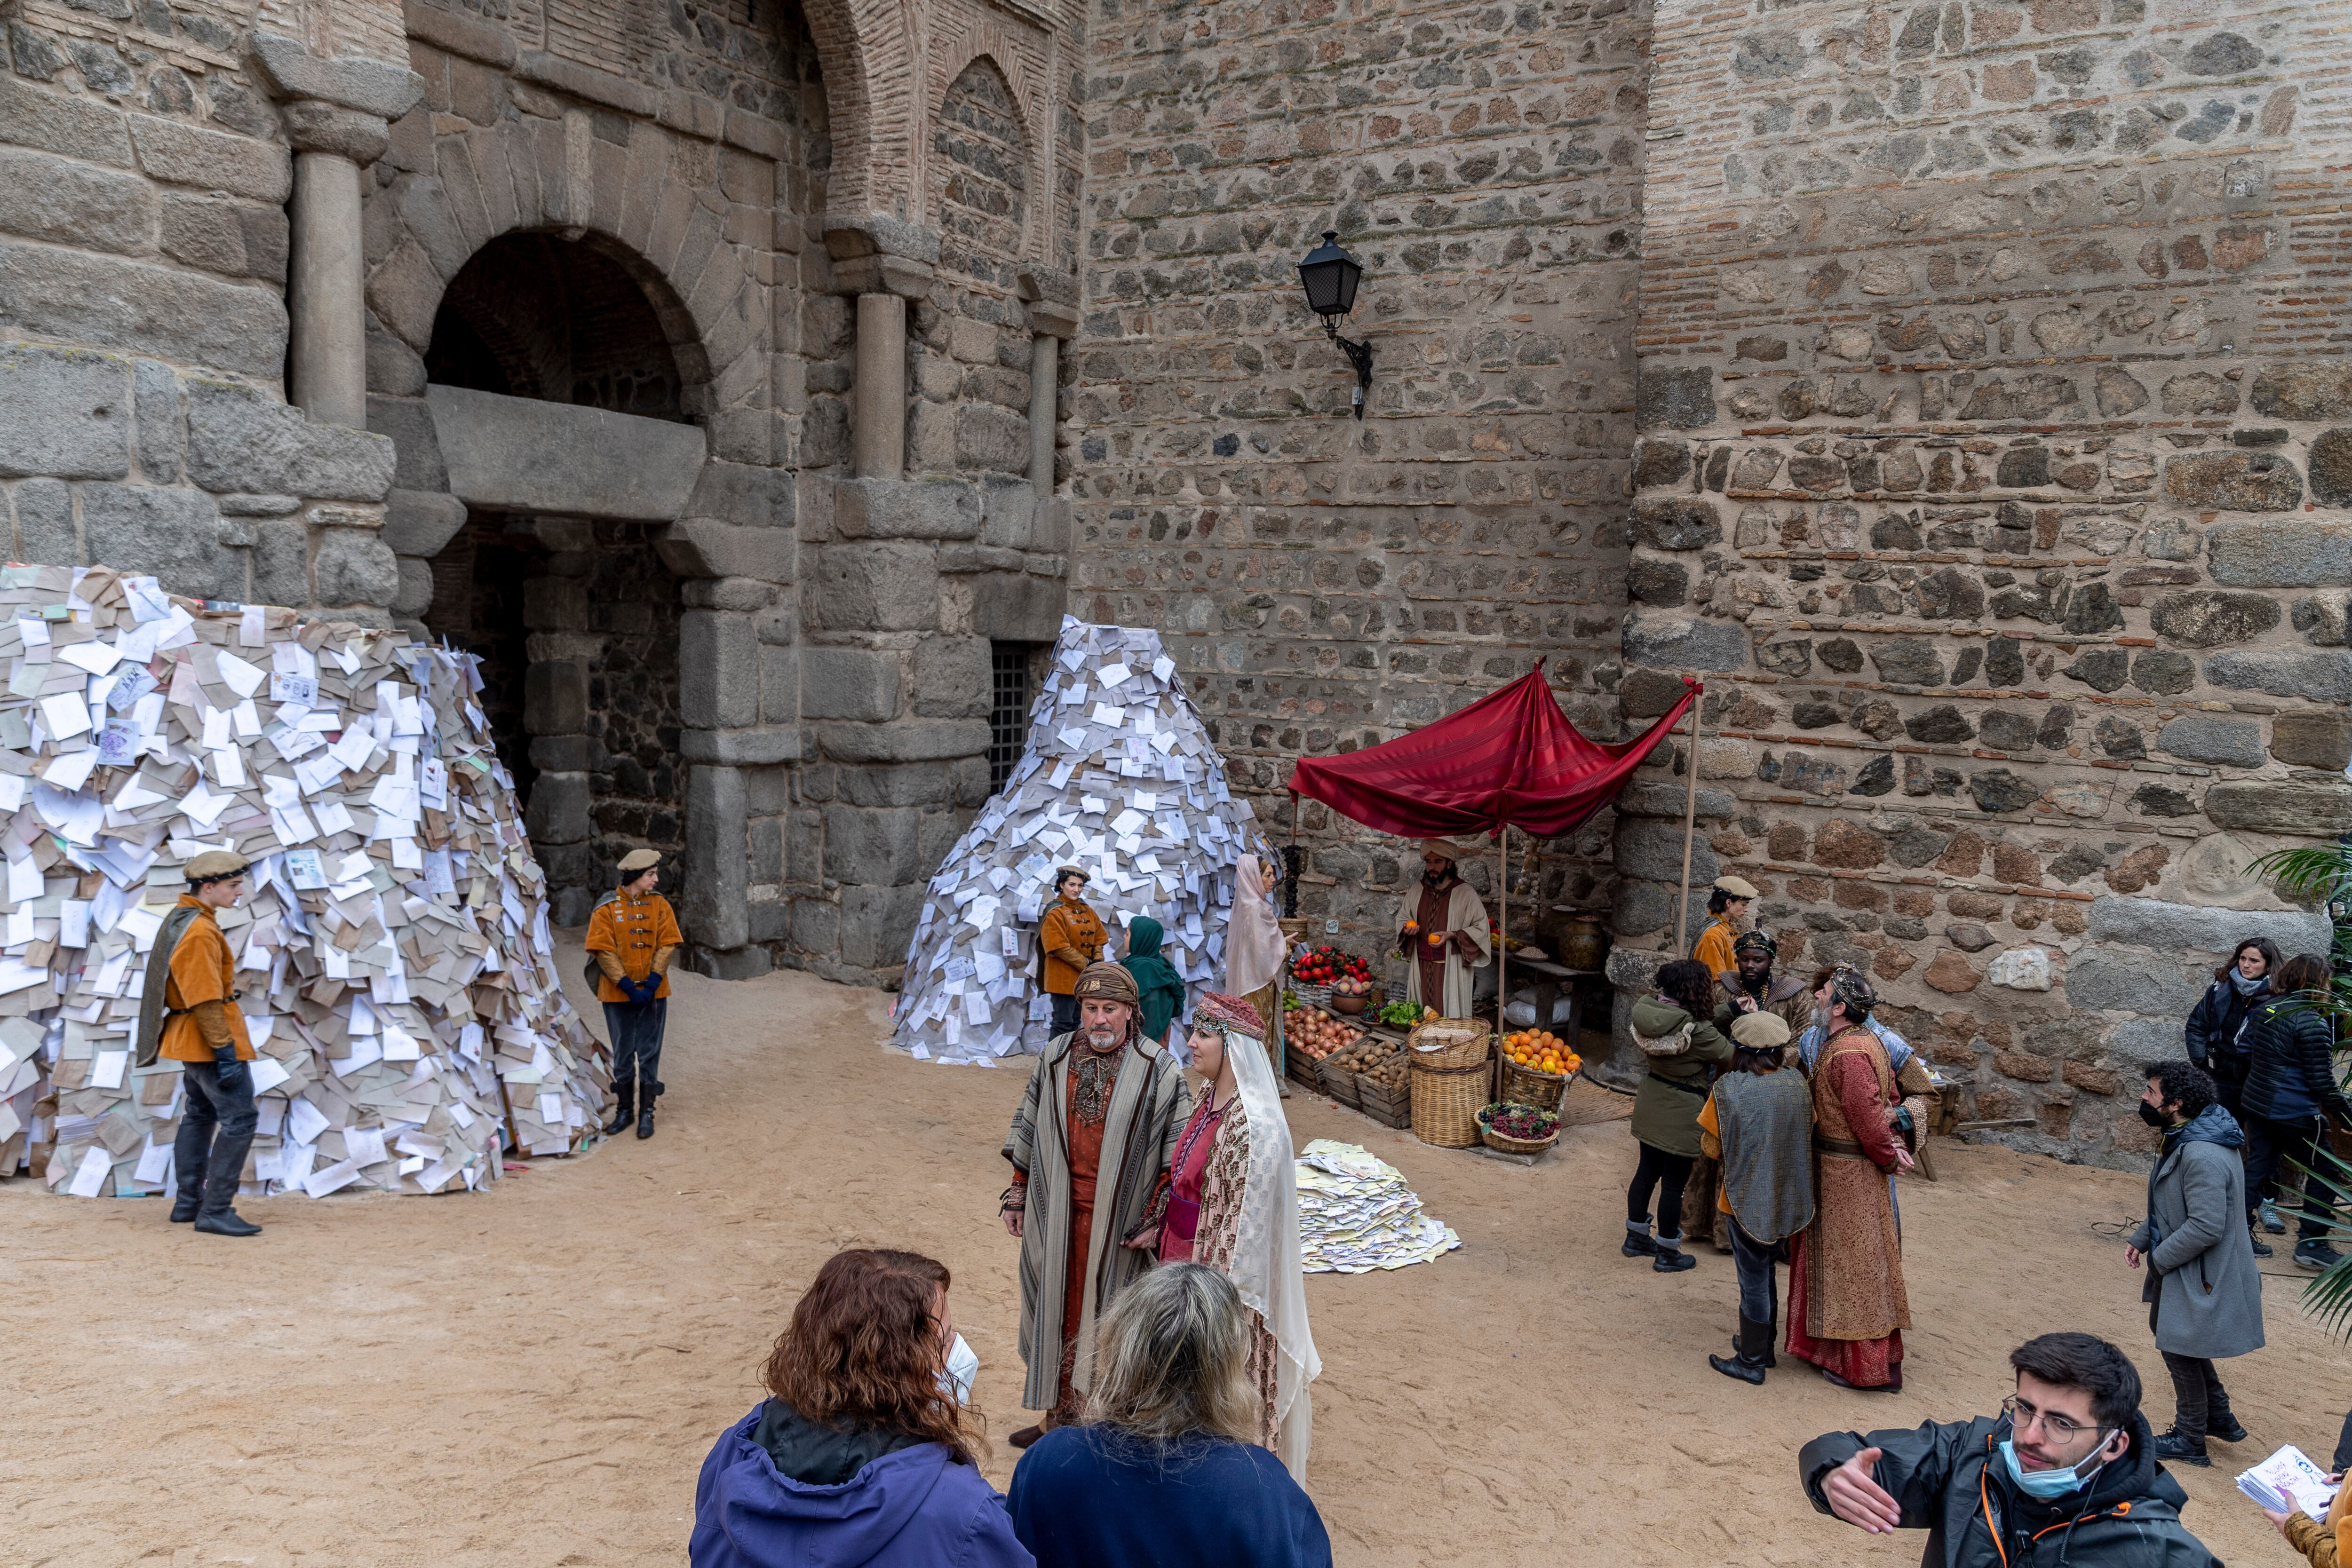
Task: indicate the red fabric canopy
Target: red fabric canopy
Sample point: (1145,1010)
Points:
(1509,757)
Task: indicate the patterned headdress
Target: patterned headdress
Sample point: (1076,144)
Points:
(1847,985)
(1763,939)
(1222,1012)
(1109,981)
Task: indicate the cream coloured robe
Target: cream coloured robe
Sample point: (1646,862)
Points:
(1466,911)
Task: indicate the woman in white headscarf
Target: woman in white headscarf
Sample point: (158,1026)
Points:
(1234,1206)
(1255,949)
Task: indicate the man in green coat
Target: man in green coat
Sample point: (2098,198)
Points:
(2204,1292)
(1673,1030)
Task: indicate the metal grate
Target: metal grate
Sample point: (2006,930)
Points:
(1008,715)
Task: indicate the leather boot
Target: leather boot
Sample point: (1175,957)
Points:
(626,1111)
(221,1173)
(645,1119)
(1748,1365)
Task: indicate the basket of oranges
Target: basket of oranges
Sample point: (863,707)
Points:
(1538,1067)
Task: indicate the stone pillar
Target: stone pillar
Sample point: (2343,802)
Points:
(886,264)
(1052,298)
(338,115)
(879,435)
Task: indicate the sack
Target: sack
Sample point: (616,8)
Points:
(1661,1046)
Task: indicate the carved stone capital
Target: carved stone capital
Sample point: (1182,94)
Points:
(313,126)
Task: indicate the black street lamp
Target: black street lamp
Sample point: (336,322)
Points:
(1329,275)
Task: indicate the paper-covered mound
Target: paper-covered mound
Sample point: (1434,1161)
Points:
(393,949)
(1117,777)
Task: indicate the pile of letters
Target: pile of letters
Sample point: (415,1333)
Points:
(393,949)
(1119,778)
(1356,1215)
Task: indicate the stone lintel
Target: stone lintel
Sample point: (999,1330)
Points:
(455,33)
(543,69)
(758,747)
(514,453)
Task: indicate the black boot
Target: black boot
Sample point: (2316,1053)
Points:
(1754,1343)
(626,1113)
(1638,1244)
(1672,1258)
(222,1171)
(2222,1426)
(645,1119)
(2180,1449)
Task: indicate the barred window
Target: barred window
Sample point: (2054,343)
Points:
(1008,717)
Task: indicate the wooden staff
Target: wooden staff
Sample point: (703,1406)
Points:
(1502,951)
(1690,825)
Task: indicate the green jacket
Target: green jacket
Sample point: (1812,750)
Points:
(1666,1107)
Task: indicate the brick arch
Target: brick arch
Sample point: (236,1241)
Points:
(694,281)
(866,51)
(986,38)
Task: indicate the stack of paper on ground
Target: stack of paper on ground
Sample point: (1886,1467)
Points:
(1119,776)
(1356,1215)
(393,949)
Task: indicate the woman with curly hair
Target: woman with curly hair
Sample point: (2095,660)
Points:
(863,1451)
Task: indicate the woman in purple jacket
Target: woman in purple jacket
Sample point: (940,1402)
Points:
(862,1455)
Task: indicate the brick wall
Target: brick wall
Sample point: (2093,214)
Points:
(1987,359)
(1326,583)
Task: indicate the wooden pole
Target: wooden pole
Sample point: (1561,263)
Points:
(1690,825)
(1502,952)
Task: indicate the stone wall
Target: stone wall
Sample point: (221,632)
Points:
(1325,583)
(1985,472)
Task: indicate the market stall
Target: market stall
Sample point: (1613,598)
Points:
(1512,758)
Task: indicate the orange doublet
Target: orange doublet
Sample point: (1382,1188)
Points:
(203,970)
(634,930)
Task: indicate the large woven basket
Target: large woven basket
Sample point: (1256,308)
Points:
(1448,1042)
(1446,1102)
(1544,1091)
(1313,995)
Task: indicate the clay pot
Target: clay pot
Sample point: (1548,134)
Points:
(1584,942)
(1348,1005)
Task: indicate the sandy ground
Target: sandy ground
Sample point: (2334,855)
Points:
(532,1376)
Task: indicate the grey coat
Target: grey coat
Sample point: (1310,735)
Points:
(2200,1255)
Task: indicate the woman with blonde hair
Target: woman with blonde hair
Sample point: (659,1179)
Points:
(863,1451)
(1167,1466)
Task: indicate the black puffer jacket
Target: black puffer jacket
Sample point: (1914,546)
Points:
(2289,1074)
(1950,1480)
(2213,1042)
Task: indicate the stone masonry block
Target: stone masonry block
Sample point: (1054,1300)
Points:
(779,684)
(1009,515)
(849,683)
(63,412)
(2206,738)
(281,563)
(80,127)
(559,809)
(45,523)
(182,155)
(162,436)
(2299,808)
(742,494)
(421,522)
(555,697)
(2280,552)
(169,532)
(878,922)
(2187,928)
(1652,848)
(905,509)
(865,845)
(705,548)
(241,439)
(110,303)
(908,740)
(719,669)
(48,198)
(1672,643)
(2134,983)
(875,587)
(416,593)
(717,857)
(953,678)
(354,566)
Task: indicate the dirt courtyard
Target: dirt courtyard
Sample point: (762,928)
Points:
(532,1376)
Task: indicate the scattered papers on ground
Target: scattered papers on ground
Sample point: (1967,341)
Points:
(1356,1215)
(1119,778)
(393,949)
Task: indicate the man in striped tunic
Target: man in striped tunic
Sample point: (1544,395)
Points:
(1089,1148)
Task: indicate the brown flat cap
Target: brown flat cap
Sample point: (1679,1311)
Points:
(1760,1031)
(1109,981)
(1737,887)
(214,864)
(640,860)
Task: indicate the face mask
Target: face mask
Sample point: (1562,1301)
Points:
(2048,1483)
(956,1378)
(2152,1116)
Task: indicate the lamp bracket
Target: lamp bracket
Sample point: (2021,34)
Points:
(1358,355)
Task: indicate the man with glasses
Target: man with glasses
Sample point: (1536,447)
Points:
(2065,1474)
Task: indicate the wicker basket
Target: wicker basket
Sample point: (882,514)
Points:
(1510,1145)
(1544,1091)
(1313,995)
(1449,1043)
(1445,1102)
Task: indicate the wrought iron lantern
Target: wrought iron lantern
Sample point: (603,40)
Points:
(1329,275)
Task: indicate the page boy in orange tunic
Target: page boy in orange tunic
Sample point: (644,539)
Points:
(191,1018)
(633,935)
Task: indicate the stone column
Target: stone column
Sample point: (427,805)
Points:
(886,264)
(338,115)
(1053,300)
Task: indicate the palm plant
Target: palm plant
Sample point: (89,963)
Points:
(2322,874)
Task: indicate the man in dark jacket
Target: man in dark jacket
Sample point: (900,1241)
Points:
(2063,1475)
(2290,1086)
(2204,1295)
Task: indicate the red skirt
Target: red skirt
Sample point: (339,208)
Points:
(1865,1363)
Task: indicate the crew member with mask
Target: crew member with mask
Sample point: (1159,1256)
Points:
(188,1014)
(2063,1475)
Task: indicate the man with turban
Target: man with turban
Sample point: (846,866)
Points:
(1090,1148)
(1442,929)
